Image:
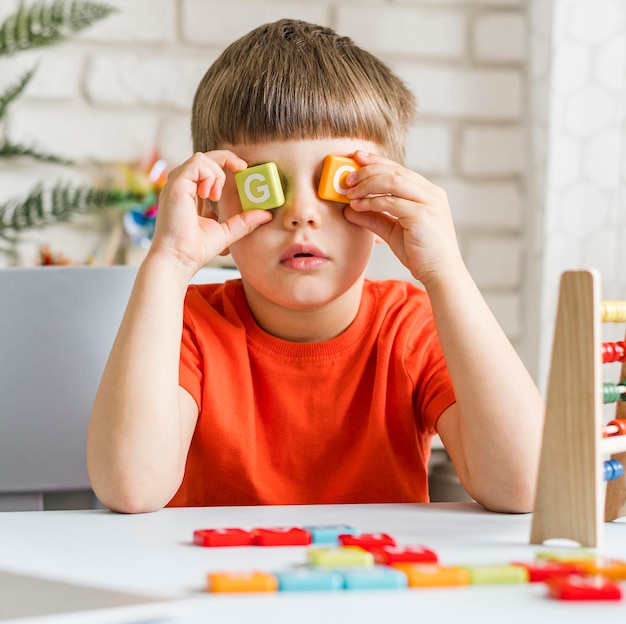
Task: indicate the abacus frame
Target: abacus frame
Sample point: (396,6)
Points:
(572,500)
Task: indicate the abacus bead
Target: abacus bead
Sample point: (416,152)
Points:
(613,392)
(619,424)
(613,352)
(618,468)
(613,469)
(608,352)
(613,311)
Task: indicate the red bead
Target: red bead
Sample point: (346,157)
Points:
(613,352)
(615,428)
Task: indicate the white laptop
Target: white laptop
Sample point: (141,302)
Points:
(57,325)
(28,599)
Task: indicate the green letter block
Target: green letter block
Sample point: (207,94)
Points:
(260,187)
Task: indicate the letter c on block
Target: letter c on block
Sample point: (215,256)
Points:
(340,173)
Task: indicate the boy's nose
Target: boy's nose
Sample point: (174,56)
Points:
(301,211)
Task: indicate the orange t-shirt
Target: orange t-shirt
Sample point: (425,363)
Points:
(347,420)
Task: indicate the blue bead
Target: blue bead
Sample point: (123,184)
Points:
(613,469)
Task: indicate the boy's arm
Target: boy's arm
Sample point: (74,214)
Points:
(493,432)
(142,421)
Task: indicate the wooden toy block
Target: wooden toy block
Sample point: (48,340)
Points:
(583,588)
(332,185)
(498,574)
(281,536)
(433,575)
(340,557)
(377,577)
(231,582)
(397,554)
(309,579)
(222,537)
(367,540)
(572,500)
(328,534)
(259,187)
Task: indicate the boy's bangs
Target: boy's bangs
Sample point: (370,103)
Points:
(281,115)
(293,81)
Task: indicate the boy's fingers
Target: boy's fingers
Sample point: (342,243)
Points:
(378,223)
(243,223)
(228,160)
(207,172)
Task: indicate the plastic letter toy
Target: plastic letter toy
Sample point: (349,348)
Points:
(260,187)
(569,555)
(309,579)
(281,536)
(497,574)
(433,575)
(377,577)
(332,186)
(367,540)
(545,569)
(583,588)
(396,554)
(222,537)
(340,557)
(329,534)
(222,582)
(610,568)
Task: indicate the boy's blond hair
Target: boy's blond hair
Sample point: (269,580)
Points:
(294,80)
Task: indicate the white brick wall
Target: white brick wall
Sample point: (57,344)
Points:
(124,87)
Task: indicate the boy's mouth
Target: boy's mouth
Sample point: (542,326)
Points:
(303,256)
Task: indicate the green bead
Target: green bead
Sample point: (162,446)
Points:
(614,392)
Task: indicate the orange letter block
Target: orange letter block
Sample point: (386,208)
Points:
(332,186)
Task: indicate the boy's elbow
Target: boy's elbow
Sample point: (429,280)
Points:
(518,498)
(126,500)
(123,494)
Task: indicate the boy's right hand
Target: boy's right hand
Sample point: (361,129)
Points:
(183,234)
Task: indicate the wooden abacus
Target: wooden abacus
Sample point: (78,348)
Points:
(573,501)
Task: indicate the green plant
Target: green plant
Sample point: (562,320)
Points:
(44,23)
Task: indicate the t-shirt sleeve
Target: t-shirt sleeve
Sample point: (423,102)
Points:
(436,396)
(190,368)
(433,386)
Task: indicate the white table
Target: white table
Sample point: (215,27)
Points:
(153,553)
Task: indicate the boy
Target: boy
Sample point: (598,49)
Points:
(303,382)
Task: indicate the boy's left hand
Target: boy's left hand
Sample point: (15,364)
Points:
(407,211)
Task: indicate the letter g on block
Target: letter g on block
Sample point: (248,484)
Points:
(260,187)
